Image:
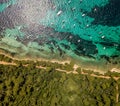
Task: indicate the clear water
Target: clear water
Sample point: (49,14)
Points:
(79,29)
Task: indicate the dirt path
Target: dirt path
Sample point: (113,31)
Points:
(7,63)
(67,72)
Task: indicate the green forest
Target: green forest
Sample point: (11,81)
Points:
(25,85)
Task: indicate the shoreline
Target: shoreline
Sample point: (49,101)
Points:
(86,65)
(24,52)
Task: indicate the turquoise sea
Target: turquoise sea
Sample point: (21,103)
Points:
(87,31)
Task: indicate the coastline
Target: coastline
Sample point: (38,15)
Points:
(91,65)
(18,51)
